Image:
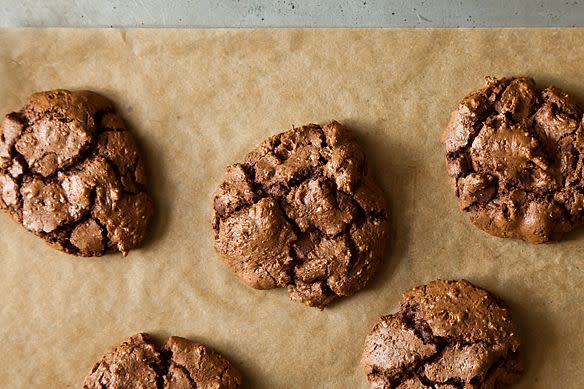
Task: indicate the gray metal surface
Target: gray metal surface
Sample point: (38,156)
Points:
(292,13)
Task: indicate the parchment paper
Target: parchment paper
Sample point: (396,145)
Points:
(198,100)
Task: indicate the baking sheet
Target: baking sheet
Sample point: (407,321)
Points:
(198,100)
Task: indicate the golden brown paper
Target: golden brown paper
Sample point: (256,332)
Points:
(198,100)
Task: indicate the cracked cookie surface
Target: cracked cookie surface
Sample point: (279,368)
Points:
(179,364)
(72,174)
(446,334)
(514,155)
(302,212)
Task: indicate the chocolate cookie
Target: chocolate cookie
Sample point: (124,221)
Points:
(180,364)
(303,212)
(514,154)
(71,173)
(447,334)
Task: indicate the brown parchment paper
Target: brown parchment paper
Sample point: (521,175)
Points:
(198,100)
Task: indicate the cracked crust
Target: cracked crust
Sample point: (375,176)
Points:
(302,212)
(71,173)
(514,155)
(180,364)
(446,334)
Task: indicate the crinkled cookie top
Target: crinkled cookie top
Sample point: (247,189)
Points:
(514,154)
(447,334)
(137,363)
(302,212)
(72,174)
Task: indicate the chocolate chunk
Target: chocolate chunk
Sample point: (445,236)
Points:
(446,334)
(71,173)
(139,363)
(302,212)
(514,156)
